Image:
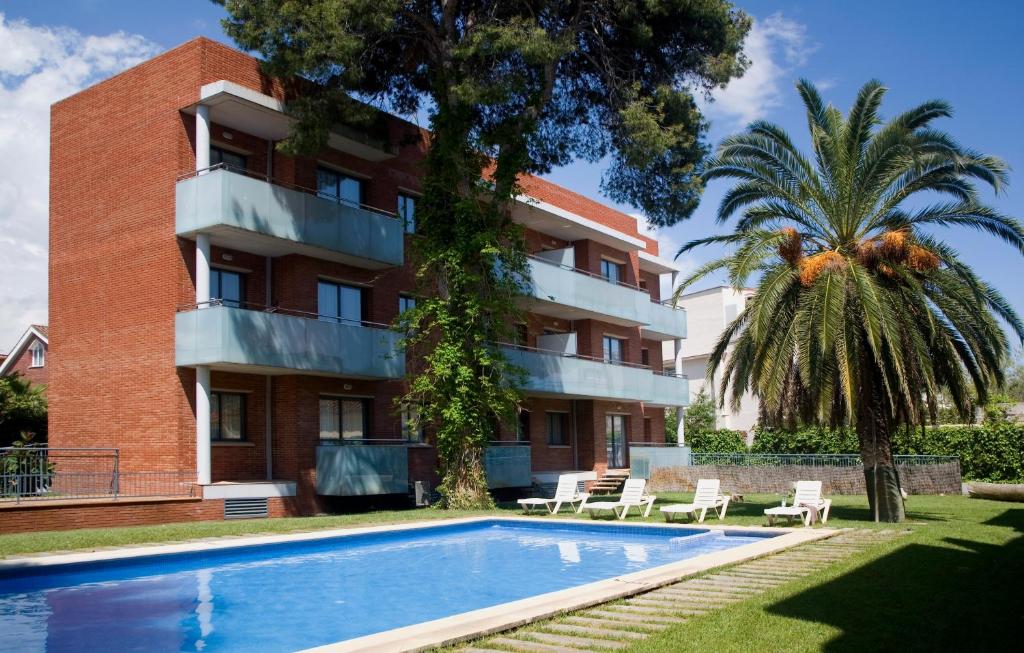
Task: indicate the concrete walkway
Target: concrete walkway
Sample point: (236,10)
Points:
(617,625)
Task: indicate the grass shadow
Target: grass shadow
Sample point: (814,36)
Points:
(954,594)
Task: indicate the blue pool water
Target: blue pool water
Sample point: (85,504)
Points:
(290,596)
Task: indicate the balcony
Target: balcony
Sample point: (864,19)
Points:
(243,212)
(666,322)
(267,342)
(508,465)
(565,292)
(567,375)
(366,468)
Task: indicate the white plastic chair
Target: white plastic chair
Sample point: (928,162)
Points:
(707,497)
(565,492)
(807,503)
(633,494)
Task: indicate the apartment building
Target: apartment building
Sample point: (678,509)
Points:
(708,313)
(222,310)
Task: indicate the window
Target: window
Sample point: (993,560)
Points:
(648,429)
(611,271)
(558,429)
(227,416)
(412,429)
(522,335)
(38,350)
(523,426)
(615,440)
(407,212)
(339,187)
(645,356)
(231,160)
(405,302)
(337,302)
(226,286)
(343,419)
(612,349)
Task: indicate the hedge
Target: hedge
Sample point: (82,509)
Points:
(719,441)
(993,451)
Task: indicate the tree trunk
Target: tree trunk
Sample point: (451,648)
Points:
(874,431)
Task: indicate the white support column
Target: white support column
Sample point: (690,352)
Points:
(202,301)
(203,425)
(202,138)
(202,270)
(680,410)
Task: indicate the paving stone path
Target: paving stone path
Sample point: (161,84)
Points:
(617,625)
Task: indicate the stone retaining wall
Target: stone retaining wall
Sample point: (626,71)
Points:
(915,479)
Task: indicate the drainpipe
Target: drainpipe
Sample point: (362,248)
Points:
(575,437)
(268,407)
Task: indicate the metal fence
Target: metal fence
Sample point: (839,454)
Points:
(814,460)
(61,473)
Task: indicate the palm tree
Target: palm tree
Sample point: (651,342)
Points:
(861,315)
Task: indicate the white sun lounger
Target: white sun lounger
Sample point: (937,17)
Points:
(632,495)
(807,504)
(565,492)
(705,498)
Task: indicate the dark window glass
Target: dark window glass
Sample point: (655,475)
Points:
(611,271)
(558,431)
(522,335)
(405,302)
(612,350)
(523,426)
(412,428)
(615,440)
(645,356)
(343,419)
(227,416)
(337,302)
(226,286)
(231,160)
(407,212)
(339,187)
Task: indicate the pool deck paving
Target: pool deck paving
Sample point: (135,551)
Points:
(620,624)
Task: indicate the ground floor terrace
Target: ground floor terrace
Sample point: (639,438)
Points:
(946,579)
(299,444)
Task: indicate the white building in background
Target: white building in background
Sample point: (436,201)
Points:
(708,313)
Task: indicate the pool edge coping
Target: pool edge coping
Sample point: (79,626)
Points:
(482,622)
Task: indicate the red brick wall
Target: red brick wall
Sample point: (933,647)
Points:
(123,512)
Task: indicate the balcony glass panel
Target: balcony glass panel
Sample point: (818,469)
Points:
(225,336)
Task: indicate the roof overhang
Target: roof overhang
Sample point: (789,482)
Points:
(264,116)
(31,333)
(566,225)
(651,263)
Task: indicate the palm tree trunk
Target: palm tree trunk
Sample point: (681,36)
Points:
(874,431)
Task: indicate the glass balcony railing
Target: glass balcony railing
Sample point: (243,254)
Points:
(251,213)
(571,375)
(585,294)
(226,336)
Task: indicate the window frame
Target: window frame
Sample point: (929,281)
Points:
(563,419)
(217,433)
(37,352)
(606,350)
(612,265)
(231,153)
(338,317)
(406,423)
(523,431)
(217,273)
(339,400)
(404,299)
(408,225)
(340,177)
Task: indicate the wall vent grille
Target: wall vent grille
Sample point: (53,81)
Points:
(245,508)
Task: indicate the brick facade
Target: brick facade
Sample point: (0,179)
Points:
(118,275)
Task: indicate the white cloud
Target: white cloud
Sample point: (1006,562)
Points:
(40,65)
(774,46)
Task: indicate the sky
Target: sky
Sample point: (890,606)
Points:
(968,54)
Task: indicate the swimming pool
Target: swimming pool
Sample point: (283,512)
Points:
(299,594)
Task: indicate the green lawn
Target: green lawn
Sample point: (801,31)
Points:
(953,583)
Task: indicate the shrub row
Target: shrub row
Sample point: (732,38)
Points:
(993,451)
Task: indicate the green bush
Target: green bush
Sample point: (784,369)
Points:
(805,440)
(988,452)
(993,451)
(718,441)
